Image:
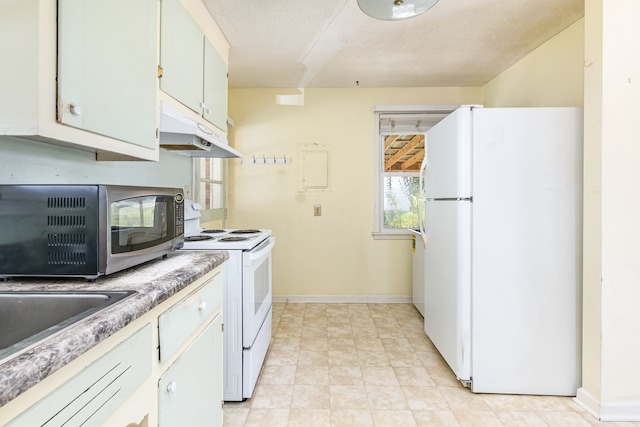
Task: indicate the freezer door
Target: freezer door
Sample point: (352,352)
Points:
(448,156)
(448,282)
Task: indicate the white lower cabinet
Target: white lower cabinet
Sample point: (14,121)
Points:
(190,391)
(92,395)
(131,380)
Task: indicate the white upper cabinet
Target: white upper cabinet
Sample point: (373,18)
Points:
(107,59)
(181,55)
(193,72)
(106,77)
(215,87)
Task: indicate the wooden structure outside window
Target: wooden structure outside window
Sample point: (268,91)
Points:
(403,153)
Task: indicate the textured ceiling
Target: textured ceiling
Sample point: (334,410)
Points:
(331,43)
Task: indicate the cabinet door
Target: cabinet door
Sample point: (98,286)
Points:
(181,55)
(190,392)
(91,396)
(215,87)
(107,56)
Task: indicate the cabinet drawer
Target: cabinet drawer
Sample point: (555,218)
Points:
(90,397)
(181,321)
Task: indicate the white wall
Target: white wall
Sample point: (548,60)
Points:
(333,254)
(612,154)
(29,162)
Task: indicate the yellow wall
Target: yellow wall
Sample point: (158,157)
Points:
(592,287)
(550,76)
(613,153)
(333,254)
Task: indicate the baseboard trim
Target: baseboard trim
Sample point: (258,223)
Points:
(345,299)
(609,411)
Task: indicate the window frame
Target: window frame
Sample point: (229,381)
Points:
(379,232)
(207,215)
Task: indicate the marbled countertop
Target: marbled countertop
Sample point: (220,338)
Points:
(154,281)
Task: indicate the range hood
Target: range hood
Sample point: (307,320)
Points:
(183,135)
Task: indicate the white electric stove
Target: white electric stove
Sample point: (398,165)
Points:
(247,297)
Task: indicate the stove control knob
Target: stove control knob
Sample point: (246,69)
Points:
(196,206)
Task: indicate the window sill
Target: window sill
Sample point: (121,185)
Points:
(379,235)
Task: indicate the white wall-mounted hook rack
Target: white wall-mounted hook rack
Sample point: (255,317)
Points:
(271,160)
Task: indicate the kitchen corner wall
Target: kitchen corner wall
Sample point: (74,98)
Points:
(29,162)
(550,76)
(333,256)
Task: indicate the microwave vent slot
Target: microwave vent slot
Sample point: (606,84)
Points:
(67,258)
(67,221)
(66,203)
(66,239)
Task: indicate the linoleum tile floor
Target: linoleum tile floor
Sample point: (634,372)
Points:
(357,365)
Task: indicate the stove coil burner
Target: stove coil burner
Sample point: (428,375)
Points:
(245,231)
(197,238)
(232,239)
(214,231)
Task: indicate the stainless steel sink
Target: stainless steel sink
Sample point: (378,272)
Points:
(29,318)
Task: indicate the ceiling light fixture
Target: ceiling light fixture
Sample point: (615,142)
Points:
(395,10)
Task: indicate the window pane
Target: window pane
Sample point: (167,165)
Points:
(216,196)
(216,172)
(211,169)
(212,195)
(400,208)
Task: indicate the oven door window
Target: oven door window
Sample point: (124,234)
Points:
(261,288)
(140,223)
(257,289)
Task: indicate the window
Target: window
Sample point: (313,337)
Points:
(403,156)
(210,188)
(400,144)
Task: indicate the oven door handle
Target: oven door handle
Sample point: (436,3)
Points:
(262,249)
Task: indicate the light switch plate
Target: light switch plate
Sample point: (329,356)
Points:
(317,210)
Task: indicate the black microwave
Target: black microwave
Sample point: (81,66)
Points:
(86,230)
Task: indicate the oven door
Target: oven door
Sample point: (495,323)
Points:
(256,289)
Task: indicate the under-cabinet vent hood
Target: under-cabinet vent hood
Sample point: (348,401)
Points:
(183,135)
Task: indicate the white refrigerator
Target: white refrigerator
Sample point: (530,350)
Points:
(503,258)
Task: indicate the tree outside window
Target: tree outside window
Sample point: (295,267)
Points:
(403,156)
(401,202)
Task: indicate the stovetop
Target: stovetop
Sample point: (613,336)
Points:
(220,239)
(198,238)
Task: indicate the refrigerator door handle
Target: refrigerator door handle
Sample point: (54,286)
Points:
(422,199)
(420,218)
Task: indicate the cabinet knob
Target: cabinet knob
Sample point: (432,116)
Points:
(171,387)
(202,306)
(76,110)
